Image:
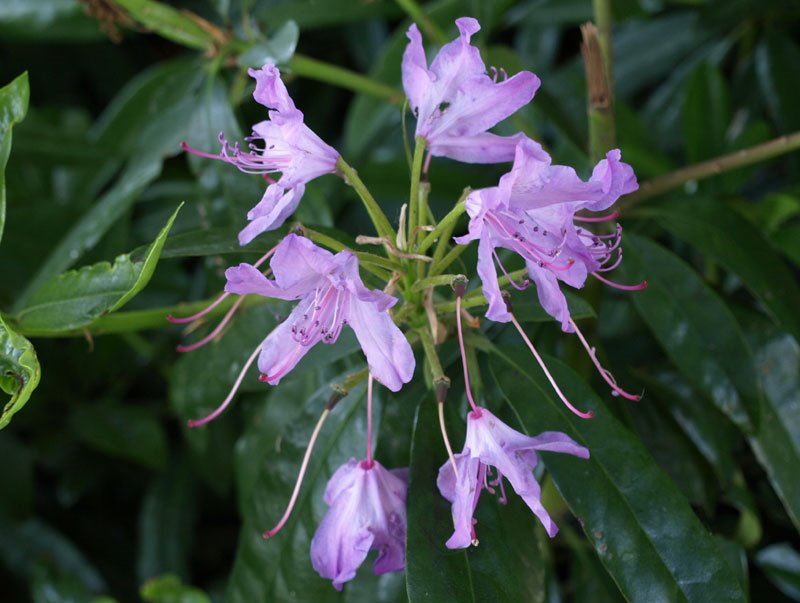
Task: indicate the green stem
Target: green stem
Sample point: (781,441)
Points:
(413,196)
(475,297)
(344,78)
(434,281)
(416,13)
(377,216)
(452,256)
(430,354)
(596,50)
(713,167)
(447,224)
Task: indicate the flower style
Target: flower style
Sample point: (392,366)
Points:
(532,212)
(281,144)
(455,101)
(331,295)
(492,443)
(367,511)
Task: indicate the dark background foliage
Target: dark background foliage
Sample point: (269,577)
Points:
(691,494)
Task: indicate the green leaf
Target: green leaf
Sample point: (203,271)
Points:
(169,589)
(528,309)
(508,564)
(132,433)
(732,241)
(218,241)
(787,239)
(706,114)
(641,526)
(85,234)
(777,58)
(19,370)
(781,563)
(46,20)
(13,107)
(695,328)
(169,23)
(166,523)
(75,298)
(776,443)
(278,49)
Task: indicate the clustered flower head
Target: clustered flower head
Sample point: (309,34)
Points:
(536,211)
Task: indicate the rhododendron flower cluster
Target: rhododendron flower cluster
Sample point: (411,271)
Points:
(536,211)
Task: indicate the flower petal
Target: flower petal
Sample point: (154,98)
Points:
(416,79)
(275,206)
(487,272)
(300,264)
(246,279)
(484,147)
(271,91)
(615,177)
(463,493)
(388,352)
(280,353)
(550,295)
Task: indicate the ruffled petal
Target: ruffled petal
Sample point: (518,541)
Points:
(550,295)
(463,494)
(276,205)
(280,352)
(416,79)
(484,147)
(271,91)
(300,264)
(388,352)
(487,272)
(615,177)
(246,279)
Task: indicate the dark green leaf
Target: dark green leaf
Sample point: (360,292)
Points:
(508,563)
(133,433)
(782,564)
(19,370)
(706,114)
(169,589)
(733,242)
(528,309)
(776,443)
(170,23)
(641,526)
(16,487)
(695,328)
(165,523)
(43,20)
(278,49)
(75,298)
(217,241)
(777,60)
(787,239)
(13,107)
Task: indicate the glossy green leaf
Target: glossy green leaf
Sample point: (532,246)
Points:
(278,49)
(13,107)
(781,563)
(168,588)
(695,328)
(85,234)
(170,23)
(19,370)
(507,565)
(218,241)
(776,443)
(166,521)
(777,58)
(75,298)
(733,242)
(641,526)
(132,433)
(46,20)
(706,114)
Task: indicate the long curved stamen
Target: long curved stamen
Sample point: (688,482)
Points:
(450,454)
(300,475)
(518,286)
(604,373)
(559,393)
(185,146)
(638,287)
(607,218)
(285,368)
(201,313)
(217,330)
(613,266)
(475,408)
(231,394)
(368,463)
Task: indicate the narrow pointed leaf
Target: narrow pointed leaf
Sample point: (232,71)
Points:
(75,298)
(635,517)
(736,244)
(695,328)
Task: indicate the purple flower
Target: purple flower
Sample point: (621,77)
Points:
(532,212)
(367,511)
(492,443)
(281,144)
(455,101)
(331,295)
